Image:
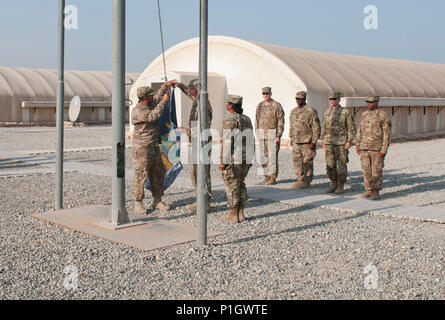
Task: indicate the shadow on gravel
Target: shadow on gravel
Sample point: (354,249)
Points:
(20,165)
(89,161)
(295,229)
(418,188)
(410,182)
(256,203)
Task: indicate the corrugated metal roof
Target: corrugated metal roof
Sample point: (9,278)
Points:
(359,76)
(42,84)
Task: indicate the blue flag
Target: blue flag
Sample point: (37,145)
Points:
(170,144)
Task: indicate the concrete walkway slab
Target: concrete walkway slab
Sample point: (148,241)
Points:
(274,193)
(359,205)
(339,202)
(153,234)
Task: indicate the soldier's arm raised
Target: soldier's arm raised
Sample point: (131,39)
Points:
(165,88)
(185,90)
(156,113)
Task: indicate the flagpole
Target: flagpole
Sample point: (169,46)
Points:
(202,199)
(60,108)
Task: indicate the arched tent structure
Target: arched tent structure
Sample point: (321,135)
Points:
(413,93)
(29,95)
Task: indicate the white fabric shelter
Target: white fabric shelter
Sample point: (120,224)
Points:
(412,92)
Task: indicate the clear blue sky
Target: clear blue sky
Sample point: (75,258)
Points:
(408,29)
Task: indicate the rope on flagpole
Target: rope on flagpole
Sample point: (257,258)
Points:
(162,40)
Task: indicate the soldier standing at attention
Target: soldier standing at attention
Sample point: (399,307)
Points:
(304,133)
(372,142)
(337,134)
(147,159)
(270,116)
(192,92)
(234,170)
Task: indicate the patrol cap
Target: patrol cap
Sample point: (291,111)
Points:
(233,99)
(301,95)
(267,90)
(145,91)
(372,99)
(335,95)
(194,84)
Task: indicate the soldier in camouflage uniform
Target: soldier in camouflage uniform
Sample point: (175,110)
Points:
(304,133)
(337,135)
(236,158)
(147,159)
(372,143)
(270,116)
(192,92)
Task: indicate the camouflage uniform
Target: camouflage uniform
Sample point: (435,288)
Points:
(304,131)
(373,138)
(234,174)
(147,159)
(338,128)
(193,118)
(270,116)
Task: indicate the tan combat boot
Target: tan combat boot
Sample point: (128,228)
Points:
(241,217)
(332,188)
(232,216)
(139,208)
(298,184)
(272,180)
(340,188)
(305,185)
(375,195)
(192,207)
(367,194)
(265,180)
(159,205)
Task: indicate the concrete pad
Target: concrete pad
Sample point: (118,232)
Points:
(386,208)
(150,235)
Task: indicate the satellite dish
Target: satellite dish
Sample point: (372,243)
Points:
(74,110)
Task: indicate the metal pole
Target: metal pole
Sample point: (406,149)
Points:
(202,200)
(59,108)
(119,213)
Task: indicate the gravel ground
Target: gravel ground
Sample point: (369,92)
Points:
(280,252)
(414,172)
(18,139)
